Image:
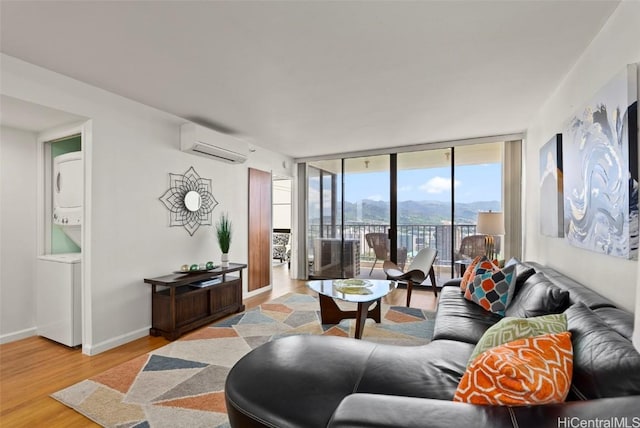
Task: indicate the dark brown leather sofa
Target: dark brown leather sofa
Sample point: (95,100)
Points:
(317,381)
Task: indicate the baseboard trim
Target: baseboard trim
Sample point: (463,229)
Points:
(17,335)
(261,290)
(89,349)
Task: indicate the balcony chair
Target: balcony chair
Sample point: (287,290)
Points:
(472,246)
(379,243)
(476,245)
(421,266)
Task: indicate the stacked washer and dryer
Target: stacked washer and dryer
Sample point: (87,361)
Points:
(58,290)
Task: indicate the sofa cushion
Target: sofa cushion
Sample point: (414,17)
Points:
(578,293)
(296,380)
(605,363)
(428,371)
(538,296)
(531,371)
(509,329)
(459,319)
(492,290)
(618,319)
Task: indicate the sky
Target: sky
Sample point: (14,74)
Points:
(473,183)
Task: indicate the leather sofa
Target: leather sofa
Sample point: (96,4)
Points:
(318,381)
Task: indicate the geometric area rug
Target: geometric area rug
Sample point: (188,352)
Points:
(182,383)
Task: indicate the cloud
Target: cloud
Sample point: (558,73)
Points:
(405,188)
(374,197)
(439,185)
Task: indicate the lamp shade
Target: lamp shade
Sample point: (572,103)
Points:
(490,223)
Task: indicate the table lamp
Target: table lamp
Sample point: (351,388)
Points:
(490,224)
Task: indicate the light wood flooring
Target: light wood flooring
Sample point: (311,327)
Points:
(31,369)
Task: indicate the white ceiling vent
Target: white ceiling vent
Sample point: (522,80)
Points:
(206,142)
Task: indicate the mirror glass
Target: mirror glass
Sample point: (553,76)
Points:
(192,200)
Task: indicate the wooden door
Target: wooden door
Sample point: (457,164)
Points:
(259,229)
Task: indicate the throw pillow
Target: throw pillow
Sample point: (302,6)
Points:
(480,264)
(468,273)
(509,329)
(492,290)
(531,371)
(538,296)
(512,261)
(523,272)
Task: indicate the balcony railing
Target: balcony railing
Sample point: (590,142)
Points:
(413,237)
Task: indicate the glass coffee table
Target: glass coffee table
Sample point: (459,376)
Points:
(364,292)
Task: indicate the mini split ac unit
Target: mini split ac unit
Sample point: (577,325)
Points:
(206,142)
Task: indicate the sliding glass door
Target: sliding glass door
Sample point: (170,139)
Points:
(364,210)
(478,172)
(367,214)
(424,204)
(348,216)
(324,219)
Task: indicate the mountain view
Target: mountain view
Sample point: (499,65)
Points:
(415,212)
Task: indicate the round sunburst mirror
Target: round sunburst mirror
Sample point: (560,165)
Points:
(192,201)
(189,200)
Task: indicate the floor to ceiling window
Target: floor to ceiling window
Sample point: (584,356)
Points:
(364,210)
(424,204)
(478,188)
(324,220)
(367,212)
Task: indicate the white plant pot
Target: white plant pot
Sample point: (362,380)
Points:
(224,260)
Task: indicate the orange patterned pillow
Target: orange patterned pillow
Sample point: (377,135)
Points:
(468,273)
(535,370)
(480,262)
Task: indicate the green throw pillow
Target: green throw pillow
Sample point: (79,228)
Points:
(509,329)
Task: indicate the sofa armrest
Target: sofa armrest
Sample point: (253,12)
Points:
(383,411)
(618,411)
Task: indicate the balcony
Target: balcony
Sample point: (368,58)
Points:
(411,237)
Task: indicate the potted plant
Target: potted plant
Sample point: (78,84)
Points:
(223,231)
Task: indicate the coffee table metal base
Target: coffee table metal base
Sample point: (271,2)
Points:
(332,314)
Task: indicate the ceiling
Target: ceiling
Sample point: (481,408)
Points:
(31,117)
(312,78)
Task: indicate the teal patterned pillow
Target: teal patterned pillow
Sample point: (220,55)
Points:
(492,290)
(509,329)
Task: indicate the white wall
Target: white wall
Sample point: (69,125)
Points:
(17,233)
(133,149)
(613,48)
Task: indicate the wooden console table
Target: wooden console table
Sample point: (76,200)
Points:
(178,306)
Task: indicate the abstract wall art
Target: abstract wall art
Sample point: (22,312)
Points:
(551,185)
(600,159)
